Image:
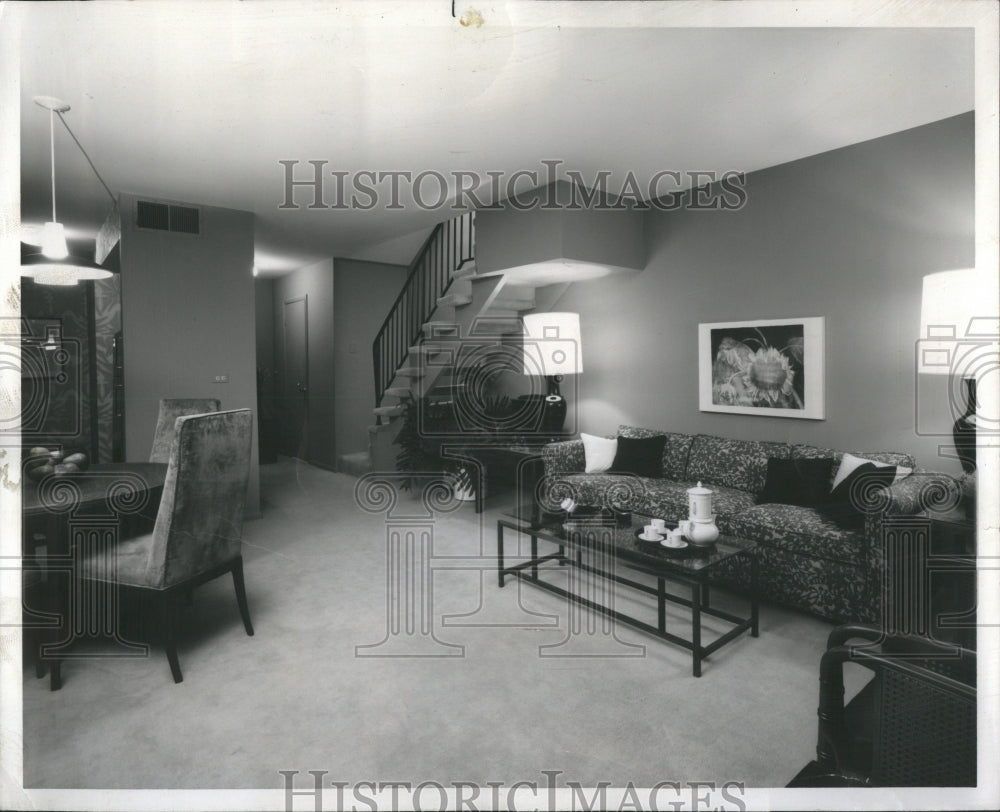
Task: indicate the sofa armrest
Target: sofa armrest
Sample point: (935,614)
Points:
(922,491)
(565,457)
(922,494)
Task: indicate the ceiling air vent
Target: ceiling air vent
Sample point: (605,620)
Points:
(152,215)
(184,219)
(161,217)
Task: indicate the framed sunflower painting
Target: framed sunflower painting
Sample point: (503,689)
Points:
(771,368)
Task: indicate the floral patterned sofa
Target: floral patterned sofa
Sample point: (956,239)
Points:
(807,560)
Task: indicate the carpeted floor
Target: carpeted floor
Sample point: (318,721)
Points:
(296,696)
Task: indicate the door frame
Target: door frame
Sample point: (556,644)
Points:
(304,298)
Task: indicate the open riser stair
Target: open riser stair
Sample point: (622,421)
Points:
(445,318)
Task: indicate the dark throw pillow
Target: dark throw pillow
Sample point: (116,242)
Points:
(802,482)
(640,456)
(840,507)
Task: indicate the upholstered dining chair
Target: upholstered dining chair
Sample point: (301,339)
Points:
(170,410)
(198,532)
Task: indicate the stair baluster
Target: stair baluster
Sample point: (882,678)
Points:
(448,247)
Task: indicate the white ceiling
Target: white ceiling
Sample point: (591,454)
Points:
(198,102)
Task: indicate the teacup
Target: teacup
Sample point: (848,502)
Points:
(660,525)
(675,537)
(650,531)
(684,527)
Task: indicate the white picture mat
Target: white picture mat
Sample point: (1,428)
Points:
(814,399)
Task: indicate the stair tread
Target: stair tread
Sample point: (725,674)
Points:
(490,325)
(454,300)
(501,313)
(513,304)
(429,348)
(390,411)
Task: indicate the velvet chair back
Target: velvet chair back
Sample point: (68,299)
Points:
(170,410)
(200,521)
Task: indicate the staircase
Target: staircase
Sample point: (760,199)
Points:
(445,316)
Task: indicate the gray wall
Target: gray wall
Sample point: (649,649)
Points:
(847,235)
(315,282)
(365,292)
(187,316)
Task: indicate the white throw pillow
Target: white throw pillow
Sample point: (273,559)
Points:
(599,452)
(850,462)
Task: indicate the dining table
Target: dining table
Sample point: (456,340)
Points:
(71,516)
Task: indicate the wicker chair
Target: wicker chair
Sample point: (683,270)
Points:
(913,724)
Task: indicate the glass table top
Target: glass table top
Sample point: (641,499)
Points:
(620,533)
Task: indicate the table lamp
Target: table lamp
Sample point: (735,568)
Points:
(958,338)
(552,349)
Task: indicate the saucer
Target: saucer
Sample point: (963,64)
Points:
(674,545)
(644,537)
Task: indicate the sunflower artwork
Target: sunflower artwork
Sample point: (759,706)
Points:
(772,368)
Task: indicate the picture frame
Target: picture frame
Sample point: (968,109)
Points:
(764,368)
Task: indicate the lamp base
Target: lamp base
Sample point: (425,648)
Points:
(964,430)
(544,414)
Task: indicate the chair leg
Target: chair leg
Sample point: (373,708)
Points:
(168,607)
(241,595)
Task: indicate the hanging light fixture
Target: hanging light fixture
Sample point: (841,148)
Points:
(53,264)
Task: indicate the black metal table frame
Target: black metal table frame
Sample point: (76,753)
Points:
(699,603)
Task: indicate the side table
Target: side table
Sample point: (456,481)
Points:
(505,465)
(953,594)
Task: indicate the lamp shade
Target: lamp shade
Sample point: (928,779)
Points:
(68,271)
(552,344)
(957,315)
(54,241)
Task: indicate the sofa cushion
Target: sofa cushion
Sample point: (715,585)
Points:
(599,453)
(642,456)
(620,491)
(800,482)
(675,450)
(849,463)
(800,530)
(669,500)
(801,451)
(859,491)
(653,496)
(740,464)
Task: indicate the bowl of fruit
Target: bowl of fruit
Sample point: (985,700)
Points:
(41,462)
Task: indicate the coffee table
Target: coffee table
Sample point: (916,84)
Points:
(601,546)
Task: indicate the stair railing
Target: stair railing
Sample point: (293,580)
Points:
(449,246)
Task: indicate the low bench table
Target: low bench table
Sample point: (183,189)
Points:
(613,542)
